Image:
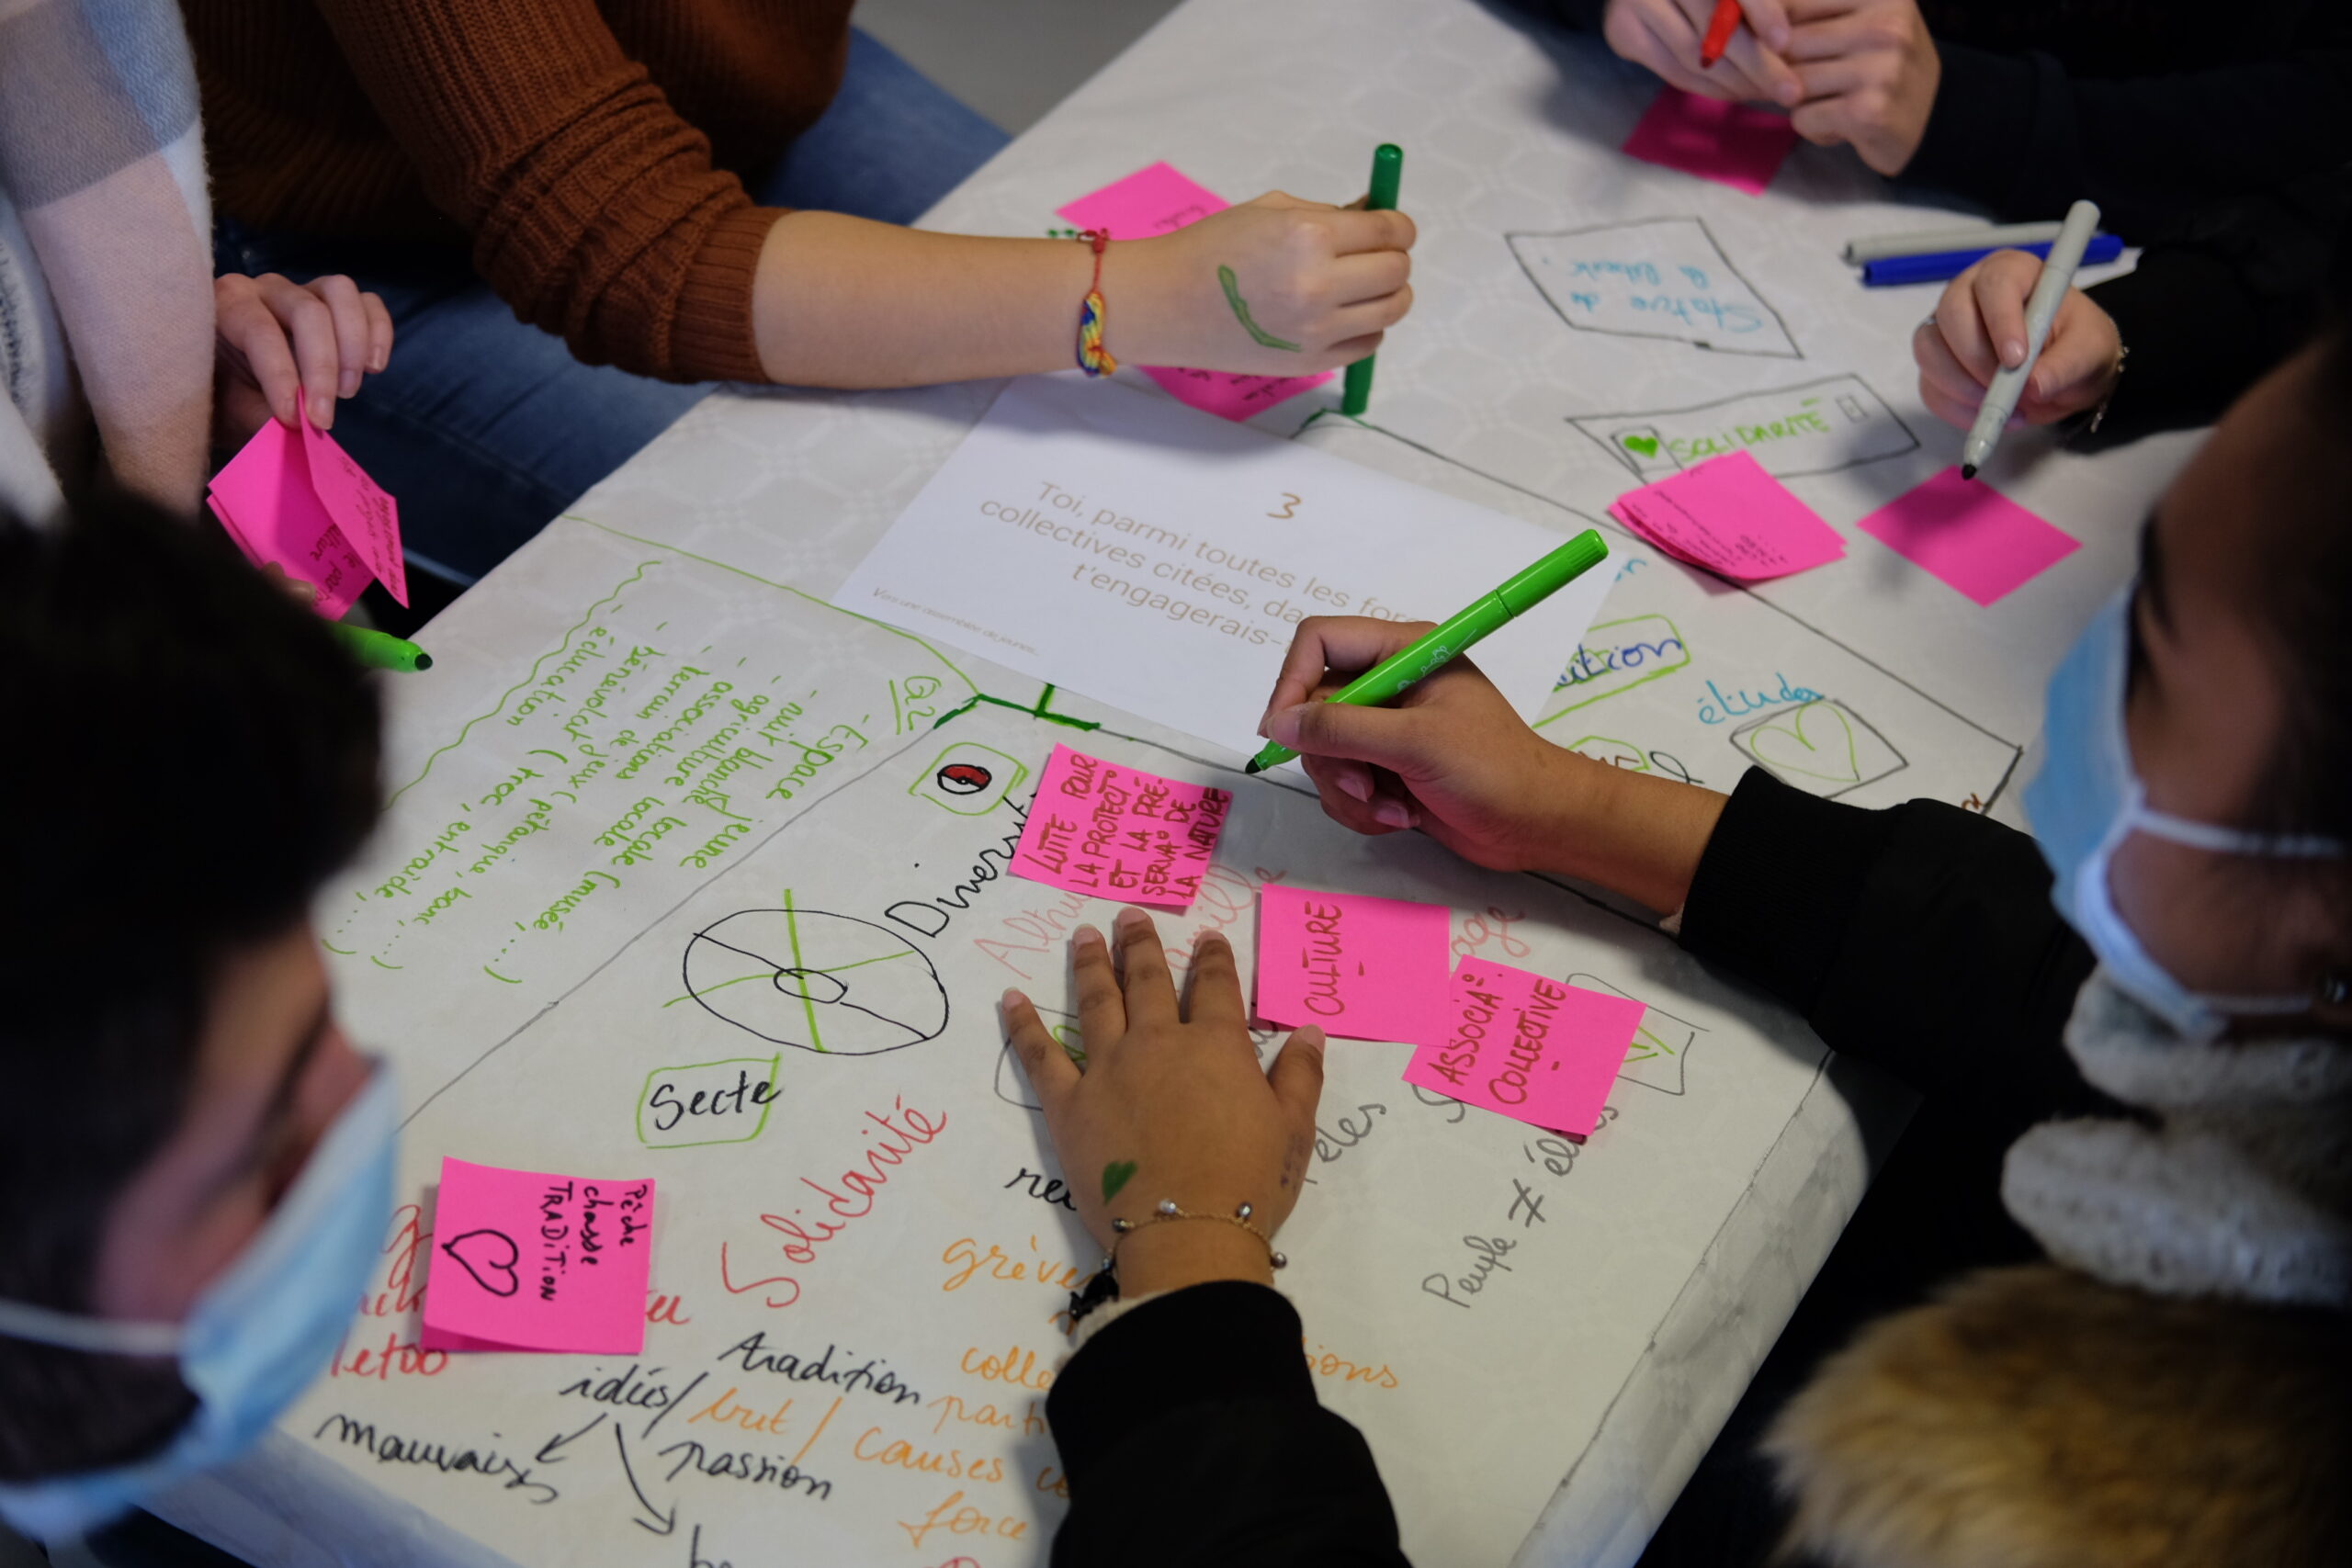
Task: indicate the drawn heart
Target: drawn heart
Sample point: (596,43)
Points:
(1784,744)
(1646,444)
(490,1256)
(1114,1176)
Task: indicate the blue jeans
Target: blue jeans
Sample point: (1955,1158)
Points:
(483,427)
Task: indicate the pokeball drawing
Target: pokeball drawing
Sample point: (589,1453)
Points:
(969,779)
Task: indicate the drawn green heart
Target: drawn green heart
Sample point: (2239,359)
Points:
(1646,444)
(1783,744)
(1114,1176)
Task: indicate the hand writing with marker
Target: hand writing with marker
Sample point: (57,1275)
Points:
(1171,1104)
(1979,329)
(1454,760)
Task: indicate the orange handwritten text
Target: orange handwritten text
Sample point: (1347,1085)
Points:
(958,1517)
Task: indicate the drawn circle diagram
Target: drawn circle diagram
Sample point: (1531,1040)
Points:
(830,984)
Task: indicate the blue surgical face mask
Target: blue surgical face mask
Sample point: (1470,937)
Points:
(255,1336)
(2087,800)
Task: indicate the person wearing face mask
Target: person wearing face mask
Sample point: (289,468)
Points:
(2132,1033)
(196,1166)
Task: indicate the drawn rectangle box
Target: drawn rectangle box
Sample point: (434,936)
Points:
(1813,427)
(1660,278)
(688,1128)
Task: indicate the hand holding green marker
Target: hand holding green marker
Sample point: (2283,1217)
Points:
(379,650)
(1425,655)
(1387,169)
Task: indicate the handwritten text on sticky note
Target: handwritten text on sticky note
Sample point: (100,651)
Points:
(530,1260)
(1159,201)
(1970,535)
(1362,968)
(1729,515)
(1731,145)
(302,504)
(1529,1047)
(1117,832)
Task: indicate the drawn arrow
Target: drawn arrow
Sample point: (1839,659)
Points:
(669,1519)
(547,1454)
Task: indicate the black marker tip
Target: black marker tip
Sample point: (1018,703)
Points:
(1250,767)
(424,662)
(1968,470)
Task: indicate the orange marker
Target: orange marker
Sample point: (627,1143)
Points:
(1720,28)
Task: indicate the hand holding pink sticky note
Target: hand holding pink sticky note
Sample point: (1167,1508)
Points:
(1731,145)
(530,1260)
(1528,1047)
(1111,831)
(1359,967)
(300,503)
(1970,535)
(1729,515)
(1158,201)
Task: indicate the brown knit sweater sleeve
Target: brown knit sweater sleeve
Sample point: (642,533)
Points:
(595,210)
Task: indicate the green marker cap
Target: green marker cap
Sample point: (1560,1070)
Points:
(1554,573)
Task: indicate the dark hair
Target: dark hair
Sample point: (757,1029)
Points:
(191,754)
(2307,613)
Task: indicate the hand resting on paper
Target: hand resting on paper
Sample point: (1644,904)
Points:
(1979,327)
(1454,760)
(1171,1104)
(280,343)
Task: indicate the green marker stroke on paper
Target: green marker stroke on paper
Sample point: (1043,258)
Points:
(1242,313)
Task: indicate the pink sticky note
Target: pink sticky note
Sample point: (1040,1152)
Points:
(1159,201)
(1528,1047)
(1732,144)
(1147,203)
(530,1260)
(265,498)
(365,511)
(1118,833)
(1729,515)
(1970,535)
(1362,968)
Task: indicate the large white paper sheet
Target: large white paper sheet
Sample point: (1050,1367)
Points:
(1157,558)
(857,1288)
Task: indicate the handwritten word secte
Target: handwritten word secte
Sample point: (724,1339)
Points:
(1106,829)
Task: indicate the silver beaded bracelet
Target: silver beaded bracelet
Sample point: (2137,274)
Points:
(1166,1210)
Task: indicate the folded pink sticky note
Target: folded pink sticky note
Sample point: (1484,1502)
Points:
(1362,968)
(1729,515)
(1528,1047)
(1159,201)
(1970,535)
(265,498)
(530,1260)
(1729,143)
(364,510)
(1118,833)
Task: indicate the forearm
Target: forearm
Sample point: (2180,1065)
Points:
(839,301)
(1635,833)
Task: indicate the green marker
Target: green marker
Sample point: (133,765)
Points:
(1387,168)
(377,650)
(1425,655)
